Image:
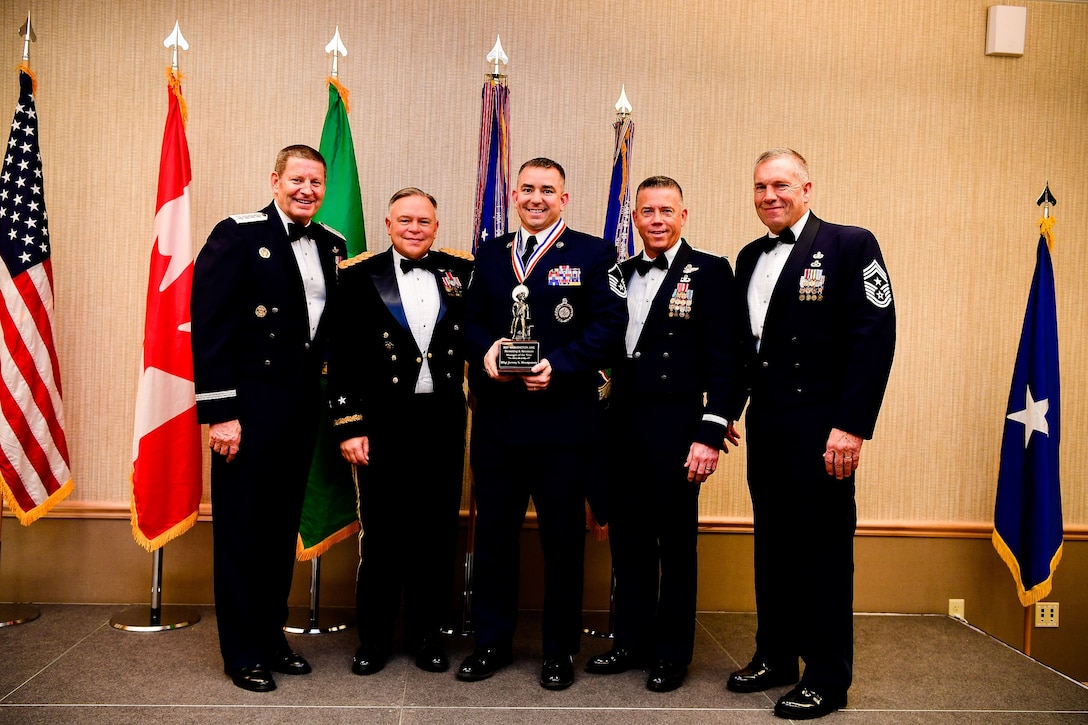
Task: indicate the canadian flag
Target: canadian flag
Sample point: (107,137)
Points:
(166,457)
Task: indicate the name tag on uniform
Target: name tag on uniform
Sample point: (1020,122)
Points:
(564,276)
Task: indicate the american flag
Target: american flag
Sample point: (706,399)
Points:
(33,450)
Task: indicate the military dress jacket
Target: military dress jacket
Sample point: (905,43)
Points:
(829,335)
(374,360)
(686,349)
(249,320)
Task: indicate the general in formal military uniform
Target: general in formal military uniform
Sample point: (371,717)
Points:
(258,336)
(396,382)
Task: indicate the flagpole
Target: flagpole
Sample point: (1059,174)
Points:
(156,617)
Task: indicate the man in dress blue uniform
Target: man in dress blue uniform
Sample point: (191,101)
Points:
(672,408)
(396,369)
(535,433)
(258,311)
(821,338)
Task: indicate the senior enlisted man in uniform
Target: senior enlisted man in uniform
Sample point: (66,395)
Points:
(396,383)
(819,351)
(258,311)
(535,433)
(673,403)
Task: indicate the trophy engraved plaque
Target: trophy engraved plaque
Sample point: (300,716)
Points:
(520,353)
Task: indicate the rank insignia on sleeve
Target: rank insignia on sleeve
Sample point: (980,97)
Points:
(616,283)
(877,288)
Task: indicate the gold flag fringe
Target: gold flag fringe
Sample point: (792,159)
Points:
(1040,590)
(165,537)
(24,67)
(305,554)
(1046,225)
(173,79)
(26,518)
(344,93)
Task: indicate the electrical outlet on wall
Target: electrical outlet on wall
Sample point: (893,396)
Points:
(955,609)
(1046,614)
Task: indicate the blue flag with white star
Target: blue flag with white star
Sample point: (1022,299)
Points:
(1028,513)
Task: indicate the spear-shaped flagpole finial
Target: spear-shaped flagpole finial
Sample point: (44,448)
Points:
(1046,200)
(27,31)
(623,106)
(337,49)
(174,41)
(496,56)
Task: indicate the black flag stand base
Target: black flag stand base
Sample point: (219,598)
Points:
(316,620)
(14,613)
(155,618)
(592,624)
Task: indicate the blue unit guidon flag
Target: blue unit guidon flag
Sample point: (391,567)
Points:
(1028,513)
(617,218)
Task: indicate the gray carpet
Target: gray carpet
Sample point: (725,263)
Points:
(71,666)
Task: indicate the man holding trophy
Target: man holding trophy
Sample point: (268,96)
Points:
(545,311)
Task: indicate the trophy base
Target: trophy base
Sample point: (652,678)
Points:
(518,356)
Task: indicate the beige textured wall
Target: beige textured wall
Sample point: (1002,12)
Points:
(909,128)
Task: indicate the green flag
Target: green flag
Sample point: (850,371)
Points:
(329,512)
(343,206)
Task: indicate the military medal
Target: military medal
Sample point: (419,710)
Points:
(451,284)
(680,301)
(811,288)
(564,311)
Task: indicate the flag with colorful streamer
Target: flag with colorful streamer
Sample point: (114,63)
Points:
(617,220)
(34,462)
(1028,529)
(167,470)
(493,167)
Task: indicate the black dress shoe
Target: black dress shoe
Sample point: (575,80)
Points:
(430,657)
(666,676)
(759,676)
(254,679)
(483,663)
(613,662)
(289,663)
(557,673)
(368,660)
(802,703)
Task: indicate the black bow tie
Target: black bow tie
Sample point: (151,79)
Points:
(786,237)
(427,263)
(643,265)
(295,231)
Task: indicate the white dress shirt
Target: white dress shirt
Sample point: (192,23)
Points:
(764,278)
(313,278)
(640,297)
(419,296)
